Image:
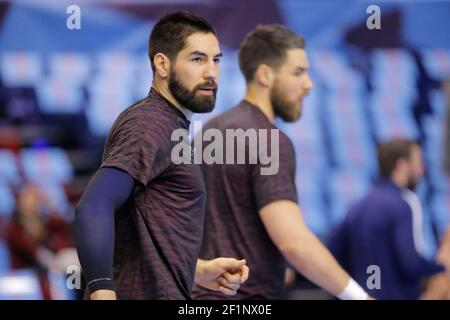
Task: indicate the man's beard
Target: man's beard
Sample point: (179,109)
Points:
(412,183)
(286,110)
(188,99)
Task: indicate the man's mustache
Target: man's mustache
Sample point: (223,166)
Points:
(208,85)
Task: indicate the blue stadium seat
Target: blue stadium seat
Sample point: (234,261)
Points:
(349,131)
(9,171)
(143,77)
(393,69)
(437,62)
(108,83)
(310,154)
(392,116)
(7,202)
(352,152)
(50,165)
(231,84)
(104,109)
(434,145)
(438,102)
(117,64)
(314,211)
(57,194)
(438,179)
(74,67)
(434,126)
(60,95)
(19,285)
(5,263)
(334,70)
(113,88)
(311,201)
(440,207)
(345,187)
(21,69)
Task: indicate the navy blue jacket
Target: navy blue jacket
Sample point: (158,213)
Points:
(384,229)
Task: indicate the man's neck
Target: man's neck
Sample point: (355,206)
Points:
(261,99)
(164,91)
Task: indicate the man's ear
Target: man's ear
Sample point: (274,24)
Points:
(162,64)
(264,75)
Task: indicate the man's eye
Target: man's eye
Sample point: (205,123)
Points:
(196,59)
(299,72)
(216,60)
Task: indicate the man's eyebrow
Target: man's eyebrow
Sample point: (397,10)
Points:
(301,68)
(199,53)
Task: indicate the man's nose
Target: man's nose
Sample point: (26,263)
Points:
(211,71)
(309,83)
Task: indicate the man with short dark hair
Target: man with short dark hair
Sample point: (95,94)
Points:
(252,213)
(139,223)
(384,229)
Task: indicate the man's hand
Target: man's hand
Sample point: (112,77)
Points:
(437,287)
(103,295)
(222,274)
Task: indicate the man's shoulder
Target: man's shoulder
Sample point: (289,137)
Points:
(144,109)
(146,113)
(142,121)
(230,119)
(243,117)
(240,116)
(380,199)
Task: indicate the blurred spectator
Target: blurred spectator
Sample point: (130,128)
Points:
(39,238)
(385,229)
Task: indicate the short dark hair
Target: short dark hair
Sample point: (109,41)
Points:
(170,32)
(267,44)
(390,152)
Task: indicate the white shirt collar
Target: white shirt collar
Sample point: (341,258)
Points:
(187,113)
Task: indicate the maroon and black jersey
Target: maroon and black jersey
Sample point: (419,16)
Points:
(235,194)
(158,231)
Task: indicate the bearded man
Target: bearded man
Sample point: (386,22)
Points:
(253,214)
(139,223)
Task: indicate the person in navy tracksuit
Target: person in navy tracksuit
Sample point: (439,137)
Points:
(384,229)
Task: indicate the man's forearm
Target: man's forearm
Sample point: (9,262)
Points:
(310,257)
(304,250)
(95,226)
(94,235)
